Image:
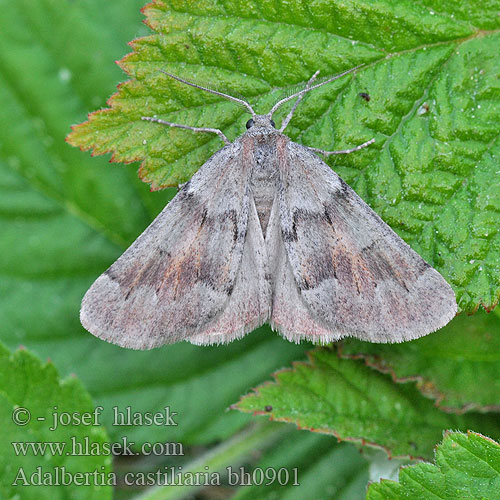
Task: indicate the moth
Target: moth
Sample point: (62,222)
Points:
(266,232)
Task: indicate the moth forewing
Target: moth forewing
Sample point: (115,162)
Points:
(179,274)
(356,275)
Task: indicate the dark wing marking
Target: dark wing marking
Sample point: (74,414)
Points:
(179,274)
(357,277)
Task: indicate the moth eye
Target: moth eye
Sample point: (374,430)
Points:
(273,124)
(249,123)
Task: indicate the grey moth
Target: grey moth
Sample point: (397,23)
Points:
(266,232)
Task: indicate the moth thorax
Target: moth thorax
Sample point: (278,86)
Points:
(263,181)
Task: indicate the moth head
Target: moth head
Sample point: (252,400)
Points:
(260,121)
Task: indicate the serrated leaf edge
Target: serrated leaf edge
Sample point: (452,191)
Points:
(423,384)
(310,363)
(446,434)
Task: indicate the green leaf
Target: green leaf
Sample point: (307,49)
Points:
(345,398)
(65,218)
(432,71)
(467,467)
(459,366)
(26,385)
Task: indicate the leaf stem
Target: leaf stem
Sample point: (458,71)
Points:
(235,450)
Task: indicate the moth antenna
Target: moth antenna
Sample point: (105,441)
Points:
(286,121)
(299,87)
(216,92)
(308,89)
